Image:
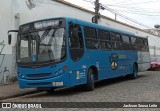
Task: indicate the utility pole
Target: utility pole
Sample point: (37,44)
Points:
(115,17)
(96,11)
(96,17)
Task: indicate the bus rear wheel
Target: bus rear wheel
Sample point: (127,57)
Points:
(135,72)
(90,80)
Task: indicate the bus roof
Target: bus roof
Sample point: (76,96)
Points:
(89,24)
(84,23)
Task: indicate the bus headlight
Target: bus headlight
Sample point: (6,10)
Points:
(21,75)
(56,73)
(61,70)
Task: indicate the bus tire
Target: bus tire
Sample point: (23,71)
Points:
(135,72)
(90,80)
(50,91)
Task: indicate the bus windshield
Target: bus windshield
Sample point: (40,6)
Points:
(42,46)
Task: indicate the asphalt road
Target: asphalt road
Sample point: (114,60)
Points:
(146,88)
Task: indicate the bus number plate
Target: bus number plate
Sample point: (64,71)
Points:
(57,83)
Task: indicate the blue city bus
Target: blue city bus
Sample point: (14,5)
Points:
(65,52)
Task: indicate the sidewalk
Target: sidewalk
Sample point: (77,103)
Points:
(13,90)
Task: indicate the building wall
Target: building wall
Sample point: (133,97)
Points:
(16,12)
(47,9)
(7,22)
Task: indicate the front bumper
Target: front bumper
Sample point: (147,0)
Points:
(45,83)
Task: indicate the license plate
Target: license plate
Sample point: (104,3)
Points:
(57,83)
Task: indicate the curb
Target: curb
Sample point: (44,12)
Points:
(17,95)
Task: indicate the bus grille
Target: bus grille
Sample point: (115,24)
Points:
(39,76)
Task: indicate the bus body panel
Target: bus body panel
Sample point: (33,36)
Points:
(108,63)
(143,61)
(49,82)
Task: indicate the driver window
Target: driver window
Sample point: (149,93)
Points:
(76,42)
(75,39)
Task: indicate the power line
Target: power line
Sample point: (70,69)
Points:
(137,10)
(139,7)
(137,3)
(135,7)
(121,2)
(90,1)
(138,13)
(128,6)
(113,11)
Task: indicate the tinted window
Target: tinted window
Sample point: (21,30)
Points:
(103,35)
(91,38)
(126,42)
(146,41)
(115,37)
(140,40)
(116,41)
(76,42)
(134,43)
(117,45)
(146,47)
(91,44)
(133,40)
(125,39)
(143,44)
(105,45)
(104,40)
(90,32)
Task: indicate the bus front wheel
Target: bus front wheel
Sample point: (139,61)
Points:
(50,91)
(90,80)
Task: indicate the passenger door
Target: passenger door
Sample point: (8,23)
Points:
(76,47)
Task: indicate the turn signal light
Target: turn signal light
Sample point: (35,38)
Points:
(65,67)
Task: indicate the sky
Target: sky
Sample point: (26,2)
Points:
(143,14)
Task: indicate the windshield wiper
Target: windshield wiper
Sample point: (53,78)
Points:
(45,33)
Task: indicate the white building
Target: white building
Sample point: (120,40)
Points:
(155,31)
(16,12)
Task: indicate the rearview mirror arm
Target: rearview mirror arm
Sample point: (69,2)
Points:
(12,31)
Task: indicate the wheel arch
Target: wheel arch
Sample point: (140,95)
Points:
(95,71)
(135,63)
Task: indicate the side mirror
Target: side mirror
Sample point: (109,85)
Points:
(9,39)
(10,36)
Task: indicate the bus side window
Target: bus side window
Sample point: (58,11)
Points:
(119,42)
(126,42)
(75,37)
(134,43)
(146,47)
(91,38)
(76,44)
(104,40)
(140,44)
(116,41)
